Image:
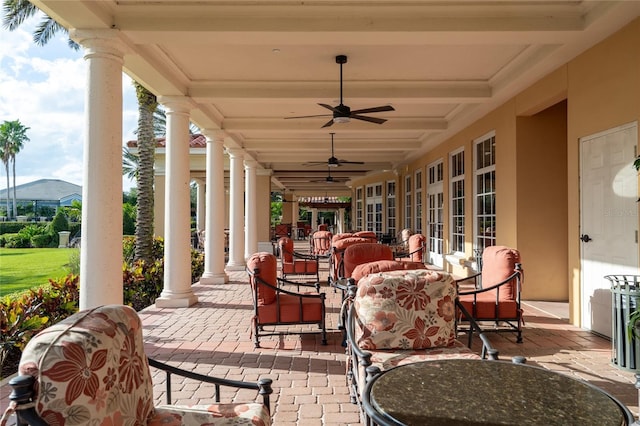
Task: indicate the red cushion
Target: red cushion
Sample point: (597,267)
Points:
(370,235)
(290,310)
(341,236)
(285,245)
(300,266)
(321,242)
(485,308)
(498,263)
(365,269)
(364,253)
(267,264)
(416,243)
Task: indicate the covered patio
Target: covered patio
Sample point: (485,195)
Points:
(213,337)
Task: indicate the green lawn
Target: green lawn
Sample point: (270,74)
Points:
(21,269)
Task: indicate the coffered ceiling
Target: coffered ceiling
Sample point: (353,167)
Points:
(250,65)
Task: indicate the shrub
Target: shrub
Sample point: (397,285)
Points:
(18,241)
(73,267)
(59,223)
(142,283)
(11,227)
(43,241)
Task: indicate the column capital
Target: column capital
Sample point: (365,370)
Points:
(236,153)
(250,164)
(100,41)
(214,135)
(180,104)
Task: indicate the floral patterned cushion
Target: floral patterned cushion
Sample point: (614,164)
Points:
(91,369)
(405,310)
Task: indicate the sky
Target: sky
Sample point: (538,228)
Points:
(44,88)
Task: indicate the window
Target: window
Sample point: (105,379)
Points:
(435,199)
(457,201)
(359,207)
(391,208)
(418,205)
(407,202)
(485,191)
(374,208)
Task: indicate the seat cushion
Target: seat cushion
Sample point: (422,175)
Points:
(378,266)
(485,306)
(405,310)
(498,263)
(290,310)
(267,265)
(215,414)
(91,367)
(358,254)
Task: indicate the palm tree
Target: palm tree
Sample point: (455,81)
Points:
(4,156)
(147,105)
(13,136)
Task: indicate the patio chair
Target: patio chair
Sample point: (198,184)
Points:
(495,294)
(295,263)
(339,244)
(91,368)
(320,243)
(417,246)
(275,306)
(402,317)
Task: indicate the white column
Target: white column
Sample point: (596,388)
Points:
(200,204)
(314,219)
(236,213)
(177,292)
(251,210)
(340,220)
(101,248)
(215,200)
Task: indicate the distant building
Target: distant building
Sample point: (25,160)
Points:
(42,193)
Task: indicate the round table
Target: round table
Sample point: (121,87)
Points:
(474,392)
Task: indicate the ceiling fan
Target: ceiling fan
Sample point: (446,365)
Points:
(333,161)
(330,179)
(342,113)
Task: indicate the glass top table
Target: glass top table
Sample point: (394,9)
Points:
(475,392)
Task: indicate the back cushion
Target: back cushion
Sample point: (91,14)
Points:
(365,269)
(363,253)
(370,235)
(341,236)
(91,369)
(498,263)
(267,264)
(416,243)
(321,242)
(285,244)
(405,310)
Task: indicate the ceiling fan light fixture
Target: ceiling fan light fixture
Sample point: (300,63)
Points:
(341,119)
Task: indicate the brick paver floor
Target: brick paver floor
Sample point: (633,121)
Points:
(214,337)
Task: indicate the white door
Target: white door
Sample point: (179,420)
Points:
(609,222)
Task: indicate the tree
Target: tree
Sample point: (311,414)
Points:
(13,135)
(147,104)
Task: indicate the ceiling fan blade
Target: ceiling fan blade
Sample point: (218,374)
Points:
(309,116)
(350,162)
(329,107)
(328,124)
(315,163)
(374,109)
(369,119)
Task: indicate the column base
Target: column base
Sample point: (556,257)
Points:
(235,266)
(211,278)
(177,301)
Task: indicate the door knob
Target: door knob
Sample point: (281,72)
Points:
(585,238)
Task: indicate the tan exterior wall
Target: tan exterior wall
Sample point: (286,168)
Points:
(603,92)
(537,160)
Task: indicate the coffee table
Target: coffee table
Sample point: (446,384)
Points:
(474,392)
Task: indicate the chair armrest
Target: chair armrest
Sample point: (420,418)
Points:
(363,357)
(292,293)
(304,255)
(22,395)
(473,277)
(516,275)
(263,386)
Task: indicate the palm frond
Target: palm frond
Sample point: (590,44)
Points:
(16,12)
(46,30)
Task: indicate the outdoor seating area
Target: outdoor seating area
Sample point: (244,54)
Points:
(310,380)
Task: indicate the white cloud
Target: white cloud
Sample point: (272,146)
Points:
(44,87)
